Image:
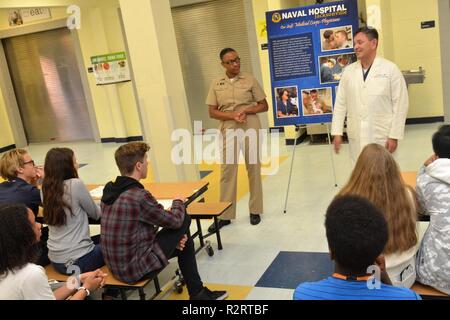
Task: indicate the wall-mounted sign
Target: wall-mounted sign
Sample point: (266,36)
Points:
(428,24)
(111,68)
(35,14)
(18,17)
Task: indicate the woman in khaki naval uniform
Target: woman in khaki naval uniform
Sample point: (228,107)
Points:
(235,99)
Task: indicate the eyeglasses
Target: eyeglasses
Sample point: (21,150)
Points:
(31,161)
(237,60)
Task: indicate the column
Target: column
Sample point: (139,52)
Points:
(159,83)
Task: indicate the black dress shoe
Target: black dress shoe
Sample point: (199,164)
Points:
(221,223)
(255,219)
(206,294)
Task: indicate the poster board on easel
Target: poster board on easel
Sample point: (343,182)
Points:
(309,47)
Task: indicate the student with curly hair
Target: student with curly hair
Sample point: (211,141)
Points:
(20,277)
(356,232)
(377,178)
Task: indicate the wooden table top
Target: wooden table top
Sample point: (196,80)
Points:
(166,190)
(208,209)
(410,178)
(110,280)
(170,190)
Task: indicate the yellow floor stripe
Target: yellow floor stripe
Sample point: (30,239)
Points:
(234,292)
(213,193)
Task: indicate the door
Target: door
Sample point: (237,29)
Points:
(48,87)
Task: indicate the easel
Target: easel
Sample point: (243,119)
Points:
(293,156)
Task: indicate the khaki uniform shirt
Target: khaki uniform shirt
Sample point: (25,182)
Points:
(244,91)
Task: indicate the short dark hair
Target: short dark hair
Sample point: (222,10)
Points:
(441,142)
(225,51)
(357,232)
(129,154)
(18,244)
(281,93)
(370,32)
(327,34)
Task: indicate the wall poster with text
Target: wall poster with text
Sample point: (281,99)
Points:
(111,68)
(309,48)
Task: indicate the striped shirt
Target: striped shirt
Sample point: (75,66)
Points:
(337,289)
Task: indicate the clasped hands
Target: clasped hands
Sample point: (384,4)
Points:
(240,116)
(94,279)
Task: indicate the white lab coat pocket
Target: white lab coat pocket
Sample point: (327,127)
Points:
(380,85)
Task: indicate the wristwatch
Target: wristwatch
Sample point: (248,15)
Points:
(87,291)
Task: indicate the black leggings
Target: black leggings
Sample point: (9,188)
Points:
(168,240)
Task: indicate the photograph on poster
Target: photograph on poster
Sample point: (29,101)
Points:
(331,67)
(317,101)
(336,38)
(287,102)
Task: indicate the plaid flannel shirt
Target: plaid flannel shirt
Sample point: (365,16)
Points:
(129,227)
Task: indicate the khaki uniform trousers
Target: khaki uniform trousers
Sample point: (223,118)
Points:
(232,145)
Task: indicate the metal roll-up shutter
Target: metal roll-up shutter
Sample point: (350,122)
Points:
(202,30)
(47,85)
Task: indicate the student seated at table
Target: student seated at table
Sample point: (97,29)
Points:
(67,206)
(20,277)
(131,244)
(433,190)
(21,175)
(377,177)
(357,233)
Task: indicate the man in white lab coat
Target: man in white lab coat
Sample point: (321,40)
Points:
(373,95)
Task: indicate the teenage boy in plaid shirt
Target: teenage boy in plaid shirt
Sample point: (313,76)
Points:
(132,247)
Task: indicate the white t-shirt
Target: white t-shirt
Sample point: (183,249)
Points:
(28,283)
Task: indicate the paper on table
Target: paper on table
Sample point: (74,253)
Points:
(97,193)
(166,203)
(94,229)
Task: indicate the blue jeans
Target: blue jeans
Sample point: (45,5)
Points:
(89,262)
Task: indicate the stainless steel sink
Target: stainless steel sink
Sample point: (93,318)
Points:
(414,76)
